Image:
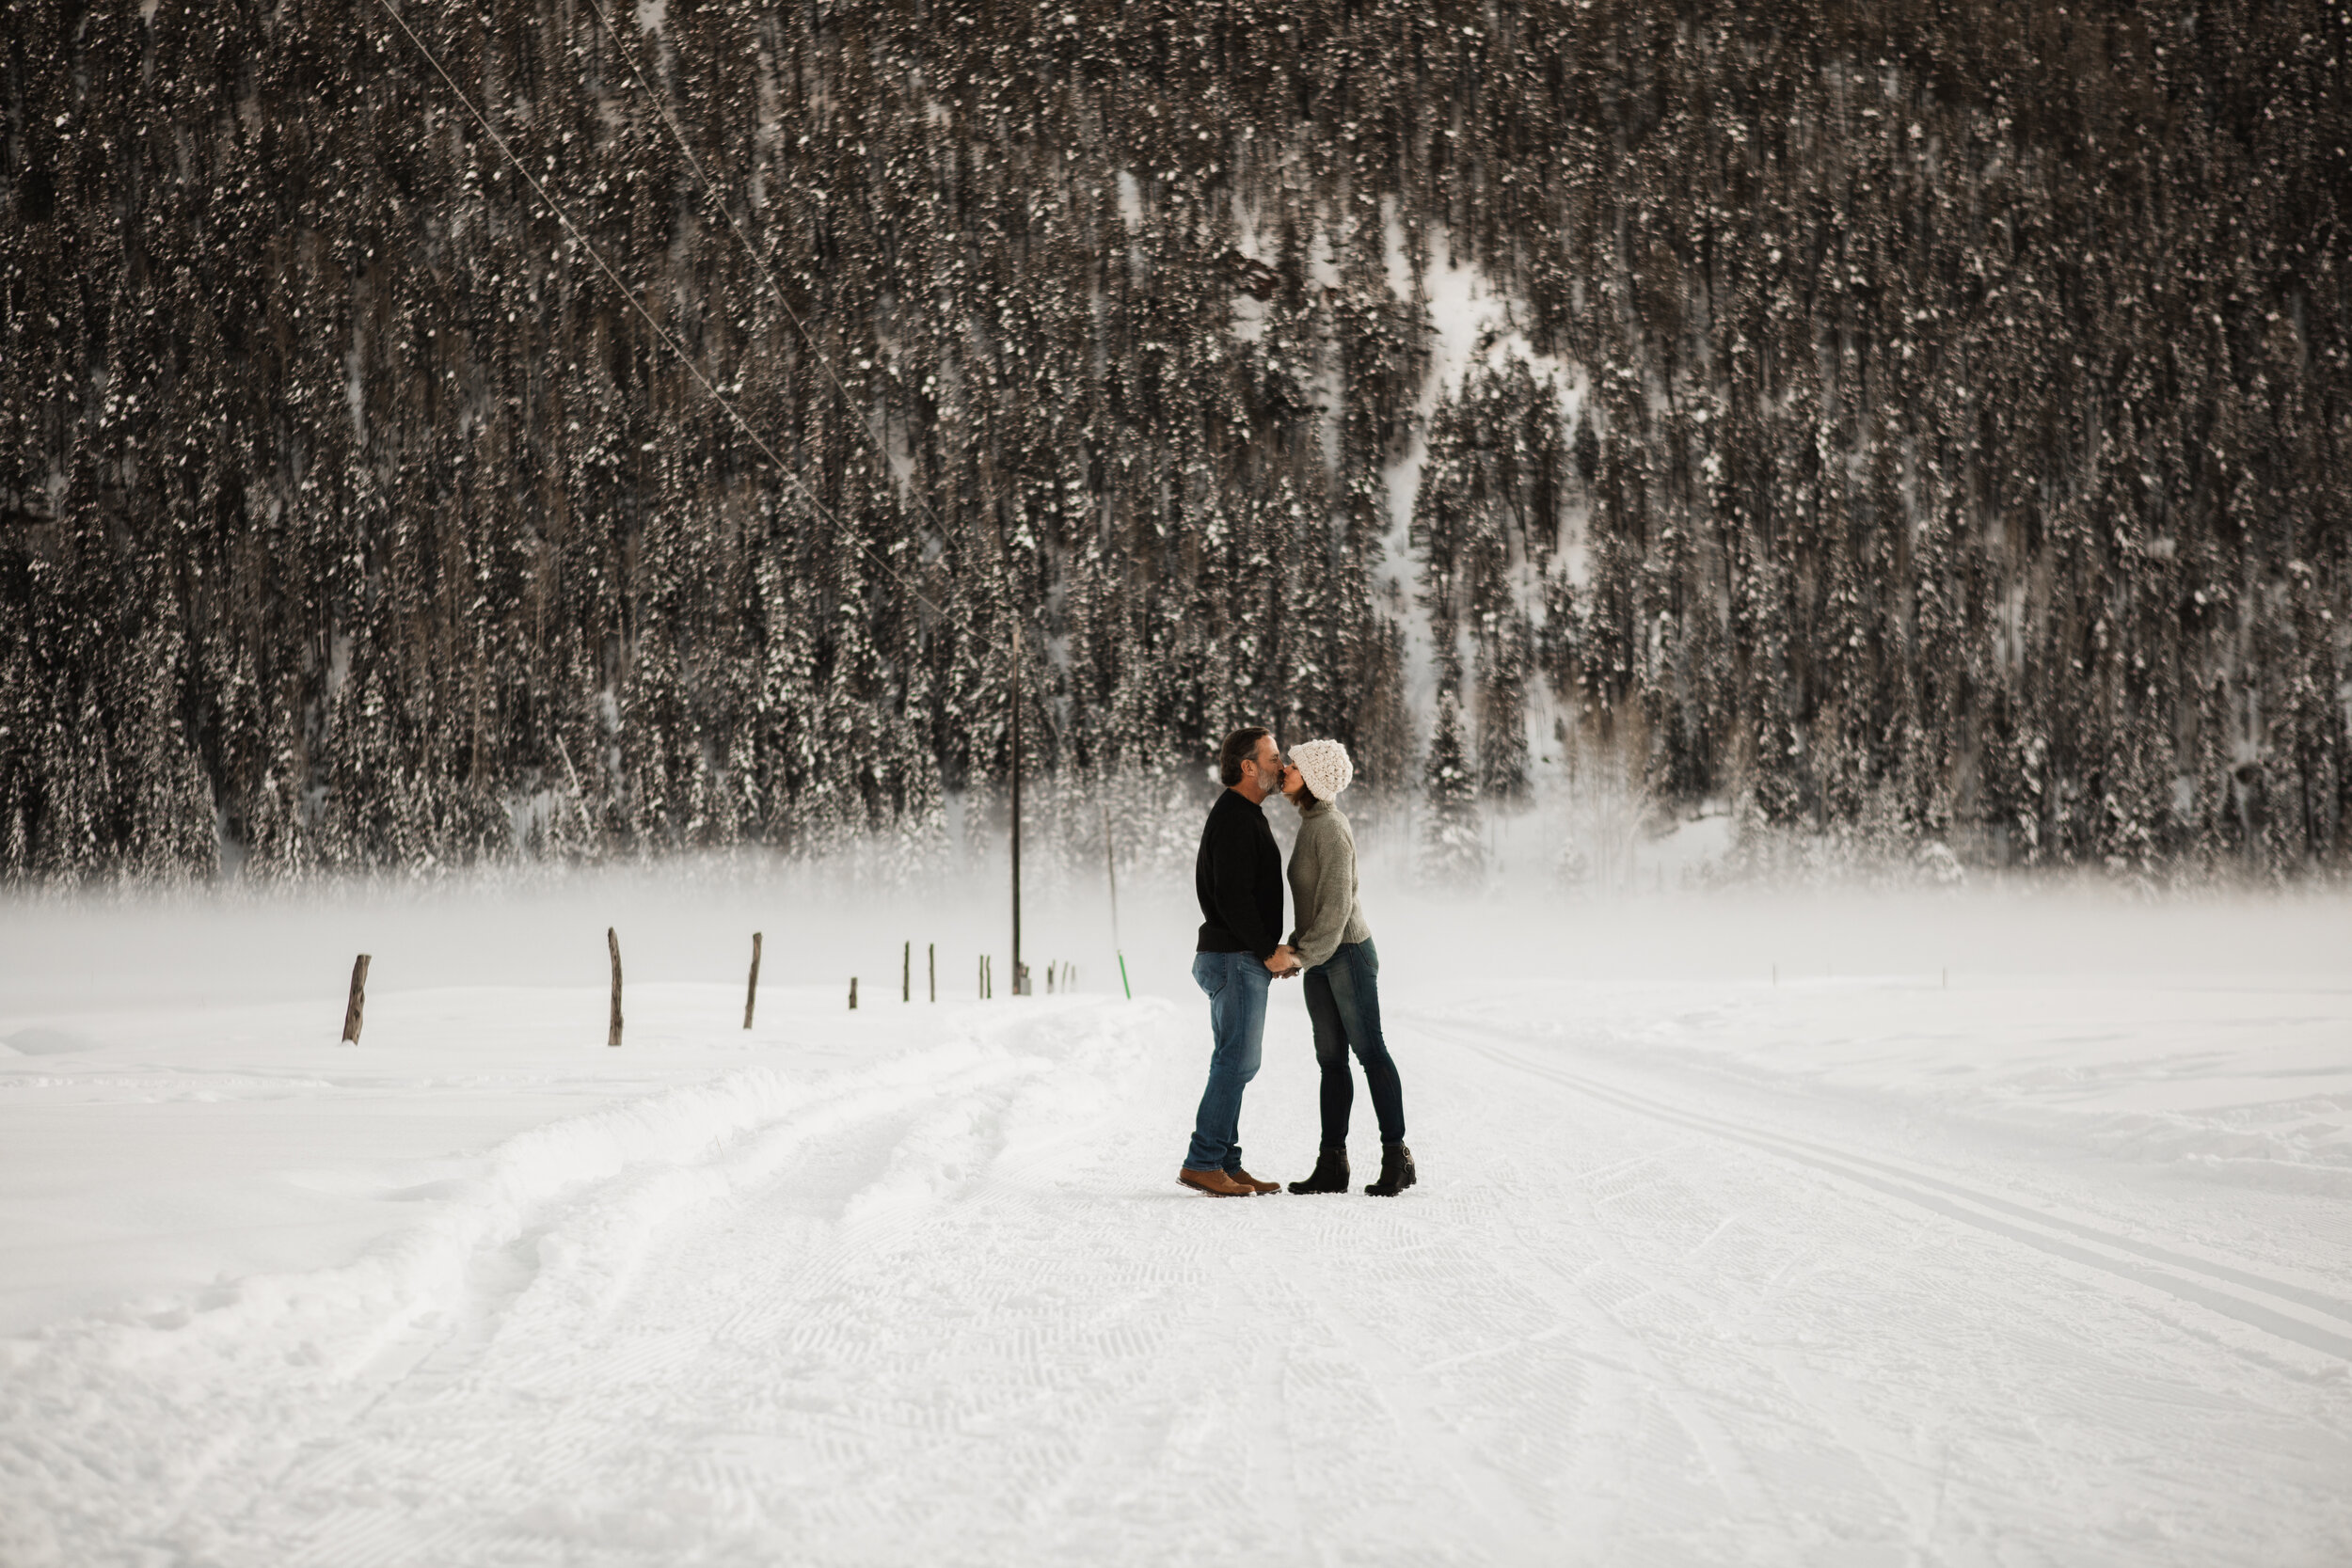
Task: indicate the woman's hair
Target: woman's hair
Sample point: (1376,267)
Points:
(1306,796)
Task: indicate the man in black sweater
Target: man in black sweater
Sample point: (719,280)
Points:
(1239,878)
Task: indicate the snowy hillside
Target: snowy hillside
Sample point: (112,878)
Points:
(536,432)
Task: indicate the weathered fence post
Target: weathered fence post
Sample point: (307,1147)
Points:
(353,1008)
(853,993)
(752,994)
(612,1035)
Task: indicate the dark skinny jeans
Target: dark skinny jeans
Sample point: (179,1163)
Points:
(1344,1003)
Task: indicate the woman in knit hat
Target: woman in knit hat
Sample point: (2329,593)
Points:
(1342,972)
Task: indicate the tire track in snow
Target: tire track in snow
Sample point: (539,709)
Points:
(1404,1393)
(565,1272)
(2053,1234)
(202,1420)
(1530,1421)
(1602,1335)
(1893,1416)
(981,1327)
(583,1386)
(555,1352)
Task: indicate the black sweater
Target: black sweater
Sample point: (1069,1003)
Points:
(1239,878)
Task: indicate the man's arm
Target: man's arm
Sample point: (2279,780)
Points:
(1231,867)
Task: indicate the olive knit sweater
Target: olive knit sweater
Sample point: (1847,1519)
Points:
(1323,885)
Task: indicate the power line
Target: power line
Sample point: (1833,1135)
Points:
(675,346)
(711,190)
(914,492)
(815,352)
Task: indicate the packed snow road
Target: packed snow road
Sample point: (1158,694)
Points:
(1652,1303)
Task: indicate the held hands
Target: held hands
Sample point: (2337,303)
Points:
(1284,964)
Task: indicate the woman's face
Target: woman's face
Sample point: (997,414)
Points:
(1294,782)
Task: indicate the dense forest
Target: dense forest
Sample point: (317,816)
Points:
(1935,414)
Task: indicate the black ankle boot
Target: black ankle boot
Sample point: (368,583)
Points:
(1331,1175)
(1396,1171)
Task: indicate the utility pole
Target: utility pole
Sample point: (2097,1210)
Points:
(1017,986)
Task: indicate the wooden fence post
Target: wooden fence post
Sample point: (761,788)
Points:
(612,941)
(906,971)
(353,1008)
(752,994)
(931,960)
(853,993)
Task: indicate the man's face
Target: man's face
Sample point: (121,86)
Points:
(1268,762)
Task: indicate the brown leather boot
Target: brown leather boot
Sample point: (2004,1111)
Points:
(1213,1183)
(1253,1183)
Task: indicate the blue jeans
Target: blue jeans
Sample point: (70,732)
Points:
(1236,984)
(1343,1004)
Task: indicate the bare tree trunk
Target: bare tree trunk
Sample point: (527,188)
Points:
(853,993)
(358,1004)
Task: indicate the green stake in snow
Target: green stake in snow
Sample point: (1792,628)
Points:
(1110,868)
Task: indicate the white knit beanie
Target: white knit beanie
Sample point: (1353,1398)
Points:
(1325,765)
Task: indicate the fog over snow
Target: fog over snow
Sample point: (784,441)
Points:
(1994,1224)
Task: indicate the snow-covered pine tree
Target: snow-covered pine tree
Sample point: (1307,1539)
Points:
(1452,847)
(1504,658)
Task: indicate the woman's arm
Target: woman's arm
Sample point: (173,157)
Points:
(1328,897)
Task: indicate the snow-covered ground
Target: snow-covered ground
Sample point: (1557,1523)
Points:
(1979,1227)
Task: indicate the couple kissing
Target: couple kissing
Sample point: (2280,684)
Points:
(1239,878)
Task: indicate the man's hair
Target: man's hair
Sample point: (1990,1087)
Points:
(1239,745)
